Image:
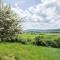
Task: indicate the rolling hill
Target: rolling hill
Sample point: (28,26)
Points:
(47,30)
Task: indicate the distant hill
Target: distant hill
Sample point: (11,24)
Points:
(38,30)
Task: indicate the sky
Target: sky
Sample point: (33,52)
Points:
(37,14)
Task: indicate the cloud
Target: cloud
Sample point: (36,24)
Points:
(45,15)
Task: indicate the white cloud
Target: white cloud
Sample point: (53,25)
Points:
(45,15)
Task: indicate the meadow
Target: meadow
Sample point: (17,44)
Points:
(16,51)
(44,36)
(20,51)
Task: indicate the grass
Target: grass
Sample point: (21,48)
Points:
(16,51)
(45,36)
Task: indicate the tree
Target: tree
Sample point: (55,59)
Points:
(10,23)
(1,3)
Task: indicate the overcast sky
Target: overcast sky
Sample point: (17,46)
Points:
(39,14)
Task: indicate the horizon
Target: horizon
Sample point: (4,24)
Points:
(41,29)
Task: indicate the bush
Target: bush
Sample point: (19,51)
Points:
(50,43)
(29,41)
(13,39)
(39,41)
(20,40)
(57,43)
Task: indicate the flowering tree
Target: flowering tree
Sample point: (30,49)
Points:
(9,23)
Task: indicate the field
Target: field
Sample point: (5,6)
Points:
(16,51)
(44,36)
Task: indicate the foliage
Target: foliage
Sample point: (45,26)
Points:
(49,40)
(9,23)
(38,40)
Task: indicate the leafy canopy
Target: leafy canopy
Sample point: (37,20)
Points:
(10,23)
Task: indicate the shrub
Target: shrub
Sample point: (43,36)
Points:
(29,41)
(57,43)
(39,41)
(20,40)
(50,43)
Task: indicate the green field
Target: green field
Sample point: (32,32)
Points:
(44,36)
(16,51)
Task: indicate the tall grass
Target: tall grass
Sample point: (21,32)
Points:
(17,51)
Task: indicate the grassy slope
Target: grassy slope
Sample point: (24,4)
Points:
(29,52)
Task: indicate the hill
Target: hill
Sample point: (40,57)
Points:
(47,30)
